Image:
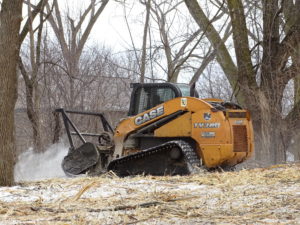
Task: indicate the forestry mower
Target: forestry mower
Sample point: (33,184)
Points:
(168,131)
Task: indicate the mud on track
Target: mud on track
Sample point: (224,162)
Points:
(257,196)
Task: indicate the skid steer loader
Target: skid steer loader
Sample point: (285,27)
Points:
(168,131)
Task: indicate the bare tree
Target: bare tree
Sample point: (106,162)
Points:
(176,51)
(10,41)
(146,26)
(173,44)
(31,78)
(10,20)
(264,98)
(72,43)
(104,86)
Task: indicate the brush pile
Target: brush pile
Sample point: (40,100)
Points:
(257,196)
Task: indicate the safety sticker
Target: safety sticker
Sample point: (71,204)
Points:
(183,102)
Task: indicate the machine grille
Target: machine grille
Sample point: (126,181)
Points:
(240,139)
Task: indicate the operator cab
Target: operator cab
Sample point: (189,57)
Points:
(145,96)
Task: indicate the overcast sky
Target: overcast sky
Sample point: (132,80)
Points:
(111,28)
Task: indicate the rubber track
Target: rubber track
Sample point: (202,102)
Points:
(189,153)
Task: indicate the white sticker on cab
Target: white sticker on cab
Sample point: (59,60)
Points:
(183,102)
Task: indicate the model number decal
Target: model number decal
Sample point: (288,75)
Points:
(149,116)
(207,125)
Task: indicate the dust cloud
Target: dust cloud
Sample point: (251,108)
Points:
(39,166)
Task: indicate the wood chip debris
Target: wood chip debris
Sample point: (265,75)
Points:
(255,196)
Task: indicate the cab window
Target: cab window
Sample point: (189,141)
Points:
(149,97)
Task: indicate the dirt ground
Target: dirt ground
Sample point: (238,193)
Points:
(255,196)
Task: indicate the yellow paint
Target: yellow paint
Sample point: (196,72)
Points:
(179,127)
(214,151)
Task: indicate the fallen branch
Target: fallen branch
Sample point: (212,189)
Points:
(143,205)
(117,208)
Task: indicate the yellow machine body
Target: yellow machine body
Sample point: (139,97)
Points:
(168,131)
(222,138)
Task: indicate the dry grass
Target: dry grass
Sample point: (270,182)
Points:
(257,196)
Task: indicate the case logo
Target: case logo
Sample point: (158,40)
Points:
(149,116)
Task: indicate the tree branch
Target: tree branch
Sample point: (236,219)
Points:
(223,56)
(34,13)
(90,26)
(241,44)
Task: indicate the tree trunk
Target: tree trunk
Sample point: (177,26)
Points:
(265,100)
(269,130)
(144,47)
(295,139)
(10,20)
(73,42)
(32,106)
(34,117)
